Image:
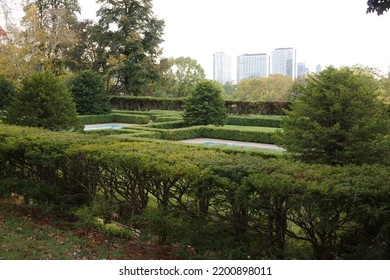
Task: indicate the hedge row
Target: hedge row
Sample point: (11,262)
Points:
(107,118)
(154,114)
(177,104)
(165,131)
(244,120)
(146,103)
(219,205)
(261,121)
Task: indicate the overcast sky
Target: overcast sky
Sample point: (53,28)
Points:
(325,32)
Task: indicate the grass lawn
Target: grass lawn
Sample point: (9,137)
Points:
(27,235)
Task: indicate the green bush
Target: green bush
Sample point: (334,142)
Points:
(89,94)
(7,91)
(42,101)
(205,105)
(338,120)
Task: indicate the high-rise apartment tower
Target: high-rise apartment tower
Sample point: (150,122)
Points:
(222,68)
(284,62)
(252,65)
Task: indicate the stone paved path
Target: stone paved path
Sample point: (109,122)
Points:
(211,141)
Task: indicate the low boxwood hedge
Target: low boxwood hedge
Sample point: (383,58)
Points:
(107,118)
(253,120)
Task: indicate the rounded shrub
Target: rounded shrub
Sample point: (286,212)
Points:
(89,94)
(42,101)
(205,105)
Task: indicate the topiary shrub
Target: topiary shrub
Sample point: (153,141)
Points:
(206,105)
(43,101)
(89,94)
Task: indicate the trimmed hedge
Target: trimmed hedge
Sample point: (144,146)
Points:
(146,103)
(107,118)
(184,133)
(224,206)
(260,108)
(238,135)
(94,119)
(261,121)
(137,119)
(167,119)
(137,103)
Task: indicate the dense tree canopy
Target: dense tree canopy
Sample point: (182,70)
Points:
(128,40)
(338,119)
(181,77)
(42,101)
(273,88)
(205,105)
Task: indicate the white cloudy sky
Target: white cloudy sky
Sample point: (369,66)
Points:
(337,32)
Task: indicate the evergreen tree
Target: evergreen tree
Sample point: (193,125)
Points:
(206,105)
(7,90)
(89,94)
(43,101)
(337,119)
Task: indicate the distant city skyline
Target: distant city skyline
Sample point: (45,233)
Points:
(280,61)
(325,33)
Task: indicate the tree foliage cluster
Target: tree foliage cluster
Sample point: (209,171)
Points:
(43,100)
(181,77)
(273,88)
(205,105)
(338,119)
(123,47)
(222,205)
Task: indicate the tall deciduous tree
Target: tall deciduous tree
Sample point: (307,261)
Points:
(338,119)
(42,101)
(181,77)
(48,33)
(129,44)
